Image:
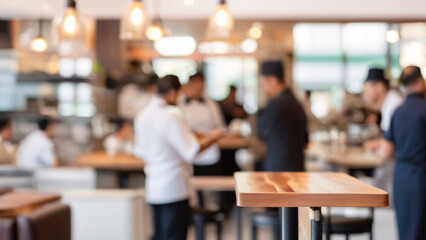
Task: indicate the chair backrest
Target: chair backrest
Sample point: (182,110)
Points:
(51,222)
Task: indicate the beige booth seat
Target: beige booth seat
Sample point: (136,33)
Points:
(109,214)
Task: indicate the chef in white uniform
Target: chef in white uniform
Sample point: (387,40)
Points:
(168,146)
(37,148)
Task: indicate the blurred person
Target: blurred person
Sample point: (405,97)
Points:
(202,115)
(282,125)
(230,108)
(378,96)
(406,140)
(131,91)
(7,150)
(121,141)
(37,148)
(168,146)
(314,123)
(149,88)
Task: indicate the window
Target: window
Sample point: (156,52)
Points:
(329,55)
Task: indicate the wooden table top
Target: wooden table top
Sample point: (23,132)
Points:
(14,203)
(102,160)
(305,189)
(352,157)
(213,183)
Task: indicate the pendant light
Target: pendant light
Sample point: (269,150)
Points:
(39,44)
(70,25)
(221,23)
(133,21)
(155,31)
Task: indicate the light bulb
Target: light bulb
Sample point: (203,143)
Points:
(221,18)
(38,44)
(255,31)
(133,21)
(220,24)
(136,13)
(154,32)
(392,36)
(249,46)
(70,25)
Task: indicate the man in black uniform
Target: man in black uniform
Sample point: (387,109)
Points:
(282,124)
(406,137)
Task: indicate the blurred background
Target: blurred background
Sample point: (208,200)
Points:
(75,65)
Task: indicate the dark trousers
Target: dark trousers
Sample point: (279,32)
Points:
(410,201)
(171,221)
(206,170)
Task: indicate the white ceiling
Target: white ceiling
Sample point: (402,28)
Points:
(244,9)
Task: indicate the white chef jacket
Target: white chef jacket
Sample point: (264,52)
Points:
(36,151)
(167,145)
(142,102)
(392,101)
(203,116)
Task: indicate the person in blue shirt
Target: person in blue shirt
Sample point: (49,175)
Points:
(406,140)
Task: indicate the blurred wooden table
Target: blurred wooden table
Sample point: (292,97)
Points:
(14,203)
(101,160)
(213,183)
(288,191)
(350,157)
(122,165)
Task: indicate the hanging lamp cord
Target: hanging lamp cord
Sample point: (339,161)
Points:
(71,4)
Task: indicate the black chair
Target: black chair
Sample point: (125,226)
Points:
(265,220)
(347,226)
(202,216)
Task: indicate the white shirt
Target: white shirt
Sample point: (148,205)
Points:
(142,102)
(36,151)
(203,117)
(392,101)
(114,145)
(167,145)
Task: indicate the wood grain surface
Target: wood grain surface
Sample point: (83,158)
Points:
(15,203)
(305,189)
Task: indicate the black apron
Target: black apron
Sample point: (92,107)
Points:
(410,201)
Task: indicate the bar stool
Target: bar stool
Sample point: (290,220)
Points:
(339,224)
(202,216)
(265,220)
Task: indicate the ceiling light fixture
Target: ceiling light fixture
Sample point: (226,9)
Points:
(70,25)
(256,31)
(39,44)
(133,21)
(155,31)
(221,23)
(392,36)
